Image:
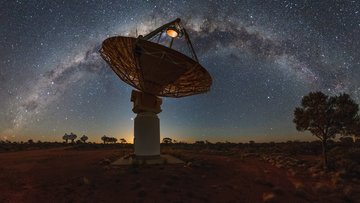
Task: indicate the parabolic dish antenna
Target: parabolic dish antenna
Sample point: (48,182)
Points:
(156,65)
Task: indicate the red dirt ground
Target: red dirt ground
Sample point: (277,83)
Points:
(71,175)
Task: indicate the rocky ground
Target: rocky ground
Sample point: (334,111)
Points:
(73,174)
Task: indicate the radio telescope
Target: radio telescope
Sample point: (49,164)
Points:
(162,63)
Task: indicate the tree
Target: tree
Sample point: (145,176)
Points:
(66,137)
(325,117)
(72,137)
(346,111)
(207,142)
(84,138)
(104,139)
(167,140)
(107,139)
(123,141)
(200,142)
(112,140)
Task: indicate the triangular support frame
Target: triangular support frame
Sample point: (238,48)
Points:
(163,29)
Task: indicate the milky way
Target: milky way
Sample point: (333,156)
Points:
(263,56)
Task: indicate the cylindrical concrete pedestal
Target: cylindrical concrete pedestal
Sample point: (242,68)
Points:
(147,135)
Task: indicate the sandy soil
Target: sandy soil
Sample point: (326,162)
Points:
(72,175)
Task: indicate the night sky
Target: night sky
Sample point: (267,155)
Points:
(263,57)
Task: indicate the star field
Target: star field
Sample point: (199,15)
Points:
(263,57)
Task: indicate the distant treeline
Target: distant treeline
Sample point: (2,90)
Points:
(291,147)
(72,137)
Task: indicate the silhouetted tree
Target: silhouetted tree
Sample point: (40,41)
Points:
(207,142)
(325,116)
(104,139)
(167,140)
(30,141)
(66,137)
(123,141)
(84,138)
(346,111)
(112,140)
(72,137)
